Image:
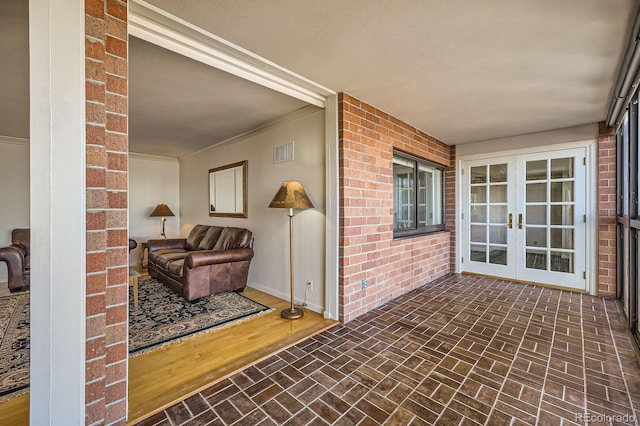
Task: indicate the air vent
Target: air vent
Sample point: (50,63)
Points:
(283,153)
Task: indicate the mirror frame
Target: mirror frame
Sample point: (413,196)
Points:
(243,214)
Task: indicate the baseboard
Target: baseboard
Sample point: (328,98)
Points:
(286,296)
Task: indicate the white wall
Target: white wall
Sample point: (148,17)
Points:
(269,269)
(14,192)
(552,137)
(152,180)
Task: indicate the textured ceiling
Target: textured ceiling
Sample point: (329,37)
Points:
(462,71)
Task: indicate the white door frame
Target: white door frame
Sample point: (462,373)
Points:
(591,148)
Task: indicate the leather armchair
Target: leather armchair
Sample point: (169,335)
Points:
(17,258)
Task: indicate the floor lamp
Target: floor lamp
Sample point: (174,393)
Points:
(291,195)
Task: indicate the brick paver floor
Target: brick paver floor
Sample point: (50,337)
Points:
(460,350)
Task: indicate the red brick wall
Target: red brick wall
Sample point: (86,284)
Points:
(367,249)
(450,205)
(607,242)
(106,222)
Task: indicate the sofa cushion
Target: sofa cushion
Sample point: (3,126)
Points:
(231,238)
(210,238)
(195,236)
(176,267)
(164,260)
(154,256)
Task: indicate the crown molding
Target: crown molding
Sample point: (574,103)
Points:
(299,113)
(149,157)
(13,140)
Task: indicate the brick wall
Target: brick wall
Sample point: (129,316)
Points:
(607,241)
(106,221)
(367,249)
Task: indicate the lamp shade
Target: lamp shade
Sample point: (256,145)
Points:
(291,195)
(161,210)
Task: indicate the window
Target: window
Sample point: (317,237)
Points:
(417,196)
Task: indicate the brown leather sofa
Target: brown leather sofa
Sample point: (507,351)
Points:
(212,259)
(17,256)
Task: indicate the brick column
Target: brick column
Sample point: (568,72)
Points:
(607,240)
(106,220)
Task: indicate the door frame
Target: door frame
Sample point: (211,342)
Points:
(591,230)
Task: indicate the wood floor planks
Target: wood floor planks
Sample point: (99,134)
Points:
(170,374)
(160,378)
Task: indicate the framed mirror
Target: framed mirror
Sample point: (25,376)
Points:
(228,190)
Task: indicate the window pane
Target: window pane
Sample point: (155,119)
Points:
(403,194)
(417,194)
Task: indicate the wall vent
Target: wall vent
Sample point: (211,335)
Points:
(283,153)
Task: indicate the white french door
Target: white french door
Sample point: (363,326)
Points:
(524,217)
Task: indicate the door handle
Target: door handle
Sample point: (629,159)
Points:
(510,225)
(520,221)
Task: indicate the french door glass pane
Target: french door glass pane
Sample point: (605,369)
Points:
(479,214)
(498,255)
(498,234)
(562,262)
(561,191)
(478,233)
(536,237)
(562,238)
(561,168)
(479,174)
(536,170)
(498,193)
(498,214)
(562,215)
(478,253)
(536,215)
(536,259)
(498,173)
(536,193)
(479,194)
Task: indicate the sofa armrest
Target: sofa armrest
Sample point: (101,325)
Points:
(14,256)
(210,257)
(169,243)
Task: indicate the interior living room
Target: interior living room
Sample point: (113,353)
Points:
(445,150)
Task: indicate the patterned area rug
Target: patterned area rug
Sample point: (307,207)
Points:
(162,317)
(14,343)
(165,317)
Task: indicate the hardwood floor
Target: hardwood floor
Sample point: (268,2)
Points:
(15,412)
(163,377)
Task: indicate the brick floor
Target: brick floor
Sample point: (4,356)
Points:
(461,350)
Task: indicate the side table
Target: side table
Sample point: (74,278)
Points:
(143,246)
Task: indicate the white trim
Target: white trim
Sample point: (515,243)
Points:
(149,157)
(13,141)
(58,212)
(332,204)
(591,202)
(157,26)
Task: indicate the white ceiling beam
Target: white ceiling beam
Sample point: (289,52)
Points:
(156,26)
